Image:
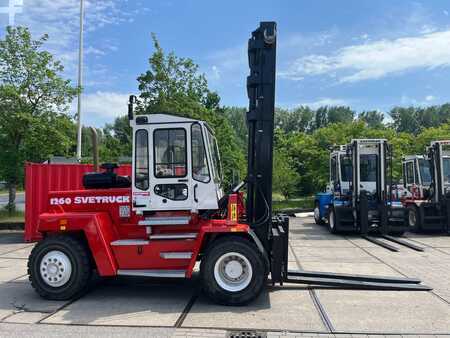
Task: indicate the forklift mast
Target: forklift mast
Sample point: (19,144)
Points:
(260,123)
(439,156)
(365,154)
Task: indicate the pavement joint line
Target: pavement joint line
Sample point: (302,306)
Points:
(316,301)
(431,247)
(2,257)
(186,309)
(378,258)
(63,306)
(400,272)
(7,252)
(7,316)
(14,279)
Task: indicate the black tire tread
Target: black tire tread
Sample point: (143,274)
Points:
(259,280)
(83,268)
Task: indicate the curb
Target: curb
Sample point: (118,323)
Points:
(12,226)
(293,211)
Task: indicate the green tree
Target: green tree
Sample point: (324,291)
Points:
(34,101)
(285,178)
(173,85)
(373,118)
(300,119)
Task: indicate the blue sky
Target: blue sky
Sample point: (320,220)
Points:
(365,54)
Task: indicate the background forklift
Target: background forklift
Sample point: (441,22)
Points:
(359,197)
(427,178)
(173,213)
(338,189)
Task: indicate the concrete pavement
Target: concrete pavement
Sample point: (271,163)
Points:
(135,307)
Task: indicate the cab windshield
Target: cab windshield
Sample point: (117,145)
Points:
(214,151)
(446,170)
(346,168)
(425,174)
(368,169)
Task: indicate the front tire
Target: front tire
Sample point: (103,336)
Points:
(233,271)
(332,221)
(413,218)
(317,218)
(59,268)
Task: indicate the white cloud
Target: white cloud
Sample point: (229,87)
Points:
(377,59)
(101,107)
(325,101)
(60,20)
(429,98)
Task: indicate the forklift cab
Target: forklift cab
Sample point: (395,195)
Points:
(417,175)
(340,172)
(439,155)
(176,164)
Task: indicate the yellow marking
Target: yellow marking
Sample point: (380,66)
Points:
(234,212)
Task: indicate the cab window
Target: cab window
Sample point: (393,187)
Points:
(409,173)
(333,169)
(200,170)
(141,180)
(368,167)
(170,152)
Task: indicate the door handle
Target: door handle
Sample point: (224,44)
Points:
(195,193)
(183,180)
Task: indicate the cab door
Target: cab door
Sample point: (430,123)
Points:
(141,169)
(171,183)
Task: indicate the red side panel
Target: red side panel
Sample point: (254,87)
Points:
(98,229)
(40,179)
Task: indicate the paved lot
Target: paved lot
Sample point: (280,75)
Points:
(163,308)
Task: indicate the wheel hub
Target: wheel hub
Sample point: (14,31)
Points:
(233,272)
(55,268)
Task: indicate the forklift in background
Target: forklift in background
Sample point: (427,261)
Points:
(427,179)
(340,170)
(173,212)
(359,197)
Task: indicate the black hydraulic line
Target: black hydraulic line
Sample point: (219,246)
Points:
(403,242)
(380,243)
(356,284)
(345,276)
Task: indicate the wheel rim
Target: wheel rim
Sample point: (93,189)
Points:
(332,219)
(233,272)
(412,218)
(317,213)
(55,268)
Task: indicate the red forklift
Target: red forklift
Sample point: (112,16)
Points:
(427,179)
(172,212)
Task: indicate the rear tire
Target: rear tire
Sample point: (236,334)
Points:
(332,221)
(317,218)
(233,271)
(59,268)
(413,218)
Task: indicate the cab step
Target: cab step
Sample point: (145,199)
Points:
(176,220)
(127,242)
(179,235)
(176,255)
(153,273)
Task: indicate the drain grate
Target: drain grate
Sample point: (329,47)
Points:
(246,334)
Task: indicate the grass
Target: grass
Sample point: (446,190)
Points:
(15,217)
(294,203)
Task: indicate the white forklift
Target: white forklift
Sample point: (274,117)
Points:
(428,179)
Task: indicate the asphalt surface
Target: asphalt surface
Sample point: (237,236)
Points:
(166,308)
